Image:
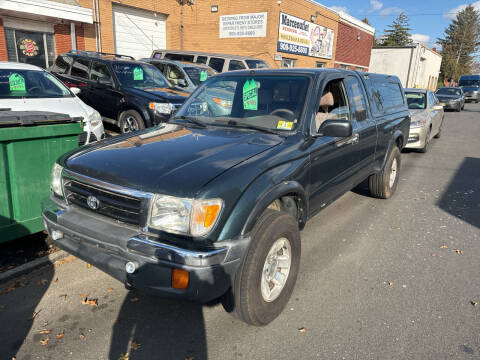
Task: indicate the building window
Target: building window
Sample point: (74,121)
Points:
(30,47)
(288,63)
(320,64)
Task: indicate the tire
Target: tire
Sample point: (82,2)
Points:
(427,141)
(130,120)
(251,303)
(463,106)
(476,101)
(459,108)
(379,184)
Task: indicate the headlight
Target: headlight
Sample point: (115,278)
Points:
(56,183)
(184,216)
(95,118)
(161,108)
(418,122)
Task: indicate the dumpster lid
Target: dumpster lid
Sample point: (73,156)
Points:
(10,118)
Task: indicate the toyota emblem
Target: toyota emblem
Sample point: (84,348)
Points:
(93,203)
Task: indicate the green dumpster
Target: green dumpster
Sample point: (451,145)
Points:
(30,142)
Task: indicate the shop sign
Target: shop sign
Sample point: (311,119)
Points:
(243,25)
(301,37)
(28,47)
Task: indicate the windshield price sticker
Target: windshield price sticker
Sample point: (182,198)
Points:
(250,95)
(138,73)
(17,82)
(203,76)
(285,125)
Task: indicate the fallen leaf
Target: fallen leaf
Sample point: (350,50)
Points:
(44,341)
(443,247)
(54,281)
(60,335)
(13,286)
(45,323)
(433,254)
(82,336)
(70,303)
(45,331)
(110,289)
(339,254)
(34,315)
(474,303)
(124,356)
(42,282)
(302,330)
(89,266)
(135,299)
(458,251)
(66,260)
(84,295)
(135,345)
(63,295)
(390,283)
(87,301)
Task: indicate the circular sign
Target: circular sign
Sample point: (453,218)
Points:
(29,47)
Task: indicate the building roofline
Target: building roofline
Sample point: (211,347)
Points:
(49,9)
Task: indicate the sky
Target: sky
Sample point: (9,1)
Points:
(428,18)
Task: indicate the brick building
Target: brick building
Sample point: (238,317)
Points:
(36,31)
(354,44)
(301,33)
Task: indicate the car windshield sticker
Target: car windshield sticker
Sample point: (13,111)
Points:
(138,73)
(17,82)
(250,95)
(285,125)
(203,76)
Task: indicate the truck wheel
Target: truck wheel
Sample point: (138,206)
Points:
(130,120)
(266,278)
(384,184)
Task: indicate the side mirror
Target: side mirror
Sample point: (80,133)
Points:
(182,82)
(75,90)
(104,82)
(336,128)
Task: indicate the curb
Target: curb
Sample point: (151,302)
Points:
(32,265)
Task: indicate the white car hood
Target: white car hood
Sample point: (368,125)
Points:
(72,106)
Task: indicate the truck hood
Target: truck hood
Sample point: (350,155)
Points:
(155,94)
(170,159)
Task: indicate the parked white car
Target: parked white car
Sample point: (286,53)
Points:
(25,87)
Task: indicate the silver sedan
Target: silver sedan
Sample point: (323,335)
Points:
(427,116)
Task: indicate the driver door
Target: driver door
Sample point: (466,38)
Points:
(104,96)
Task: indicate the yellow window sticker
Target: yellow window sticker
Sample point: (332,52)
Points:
(285,125)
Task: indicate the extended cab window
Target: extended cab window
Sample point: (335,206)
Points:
(356,98)
(80,68)
(387,94)
(333,104)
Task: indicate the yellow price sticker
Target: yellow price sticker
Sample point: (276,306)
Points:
(285,125)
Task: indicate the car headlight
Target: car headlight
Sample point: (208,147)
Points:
(56,182)
(95,118)
(184,216)
(161,108)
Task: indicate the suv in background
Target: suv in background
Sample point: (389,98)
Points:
(218,62)
(184,75)
(470,85)
(128,93)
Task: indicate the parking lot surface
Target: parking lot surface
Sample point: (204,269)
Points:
(379,279)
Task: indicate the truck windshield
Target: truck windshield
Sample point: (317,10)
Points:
(15,83)
(416,100)
(469,82)
(449,91)
(198,74)
(140,76)
(271,102)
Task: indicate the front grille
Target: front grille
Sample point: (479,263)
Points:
(114,205)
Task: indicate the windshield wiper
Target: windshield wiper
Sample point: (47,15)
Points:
(250,126)
(192,120)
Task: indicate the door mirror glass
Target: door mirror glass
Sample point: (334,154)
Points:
(336,128)
(75,90)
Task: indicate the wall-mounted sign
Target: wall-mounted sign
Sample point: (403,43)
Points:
(243,25)
(298,36)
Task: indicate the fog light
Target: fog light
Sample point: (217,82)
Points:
(56,235)
(180,279)
(130,267)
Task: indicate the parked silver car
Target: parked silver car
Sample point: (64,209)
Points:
(427,117)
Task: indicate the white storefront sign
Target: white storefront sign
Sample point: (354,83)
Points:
(243,25)
(298,36)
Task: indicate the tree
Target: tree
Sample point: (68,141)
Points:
(459,43)
(398,33)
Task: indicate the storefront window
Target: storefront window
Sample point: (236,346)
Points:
(288,63)
(319,64)
(30,47)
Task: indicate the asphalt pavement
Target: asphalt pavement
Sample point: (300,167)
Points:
(379,279)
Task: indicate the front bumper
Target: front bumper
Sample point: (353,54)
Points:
(451,106)
(109,245)
(416,138)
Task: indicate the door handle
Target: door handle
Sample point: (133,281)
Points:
(353,139)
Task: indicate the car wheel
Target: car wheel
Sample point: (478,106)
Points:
(476,101)
(427,141)
(130,120)
(459,108)
(267,276)
(463,106)
(384,184)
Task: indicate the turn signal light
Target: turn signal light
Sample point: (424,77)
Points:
(180,279)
